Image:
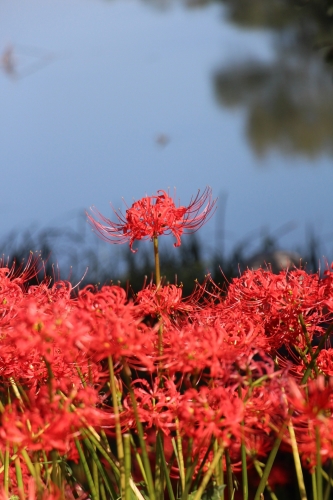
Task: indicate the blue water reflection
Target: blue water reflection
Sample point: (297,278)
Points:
(101,100)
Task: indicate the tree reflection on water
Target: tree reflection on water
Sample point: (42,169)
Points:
(289,101)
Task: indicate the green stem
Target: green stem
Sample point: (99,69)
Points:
(111,461)
(328,477)
(230,482)
(269,465)
(119,440)
(90,375)
(145,458)
(105,441)
(306,335)
(157,262)
(314,486)
(104,453)
(319,476)
(258,469)
(102,490)
(136,491)
(208,474)
(139,460)
(91,448)
(222,477)
(45,463)
(38,478)
(15,389)
(297,461)
(50,378)
(23,397)
(86,470)
(127,463)
(78,369)
(180,456)
(55,474)
(6,469)
(158,284)
(159,476)
(245,485)
(329,481)
(191,467)
(95,471)
(28,462)
(19,476)
(218,468)
(165,469)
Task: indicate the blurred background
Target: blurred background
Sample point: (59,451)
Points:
(108,99)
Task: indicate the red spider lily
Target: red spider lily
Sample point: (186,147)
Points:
(313,415)
(42,492)
(314,400)
(13,285)
(39,330)
(280,300)
(10,296)
(238,327)
(22,273)
(108,325)
(28,367)
(168,302)
(165,302)
(14,488)
(49,492)
(207,413)
(213,346)
(327,289)
(216,363)
(157,406)
(325,361)
(97,324)
(47,294)
(193,348)
(265,410)
(153,216)
(47,423)
(41,326)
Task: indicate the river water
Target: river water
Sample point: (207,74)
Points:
(108,99)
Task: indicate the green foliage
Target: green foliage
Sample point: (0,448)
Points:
(212,493)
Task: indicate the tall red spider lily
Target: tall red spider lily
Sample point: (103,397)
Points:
(153,216)
(21,273)
(163,302)
(47,424)
(312,418)
(325,361)
(156,406)
(206,412)
(280,300)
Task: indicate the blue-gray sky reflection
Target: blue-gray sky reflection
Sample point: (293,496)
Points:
(115,99)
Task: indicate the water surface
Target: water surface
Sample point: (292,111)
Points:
(108,99)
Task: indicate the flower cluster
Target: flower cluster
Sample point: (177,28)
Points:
(198,387)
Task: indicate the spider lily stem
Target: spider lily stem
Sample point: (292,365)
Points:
(158,284)
(297,461)
(208,474)
(319,467)
(157,262)
(145,458)
(120,447)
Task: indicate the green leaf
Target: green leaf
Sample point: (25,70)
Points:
(211,493)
